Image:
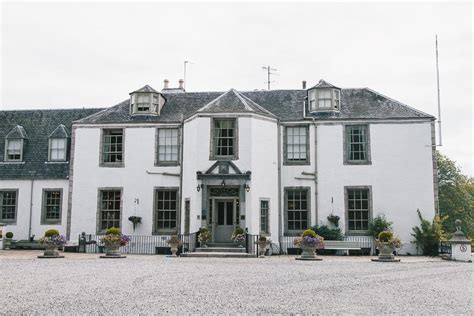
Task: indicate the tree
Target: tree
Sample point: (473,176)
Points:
(456,196)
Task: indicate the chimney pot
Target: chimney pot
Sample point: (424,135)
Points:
(181,83)
(166,82)
(304,84)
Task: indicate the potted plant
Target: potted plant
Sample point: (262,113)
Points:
(113,240)
(309,242)
(174,243)
(51,241)
(386,243)
(204,236)
(333,219)
(238,236)
(135,220)
(8,240)
(262,243)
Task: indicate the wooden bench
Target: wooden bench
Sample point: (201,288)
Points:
(342,245)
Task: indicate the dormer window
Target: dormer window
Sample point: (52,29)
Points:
(14,150)
(58,144)
(14,142)
(146,101)
(324,97)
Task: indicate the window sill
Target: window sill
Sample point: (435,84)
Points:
(50,223)
(12,162)
(167,164)
(296,163)
(222,158)
(56,162)
(106,165)
(358,163)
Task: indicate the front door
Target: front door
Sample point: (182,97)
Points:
(224,220)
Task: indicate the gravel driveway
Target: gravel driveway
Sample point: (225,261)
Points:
(82,283)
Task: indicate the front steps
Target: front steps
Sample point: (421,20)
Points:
(219,250)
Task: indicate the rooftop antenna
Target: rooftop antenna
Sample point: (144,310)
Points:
(185,64)
(439,99)
(269,73)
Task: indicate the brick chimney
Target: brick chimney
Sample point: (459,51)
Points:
(166,84)
(304,84)
(181,84)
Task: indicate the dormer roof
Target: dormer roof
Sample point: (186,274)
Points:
(59,132)
(145,89)
(324,84)
(16,133)
(233,101)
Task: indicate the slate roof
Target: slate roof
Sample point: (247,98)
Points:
(145,88)
(234,102)
(18,132)
(324,84)
(38,125)
(287,105)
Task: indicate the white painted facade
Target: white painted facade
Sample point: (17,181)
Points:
(29,207)
(399,175)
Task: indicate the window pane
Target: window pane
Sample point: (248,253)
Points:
(52,205)
(168,144)
(224,137)
(358,209)
(112,146)
(357,143)
(166,209)
(110,209)
(296,143)
(297,209)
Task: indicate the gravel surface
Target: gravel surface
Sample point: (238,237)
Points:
(83,283)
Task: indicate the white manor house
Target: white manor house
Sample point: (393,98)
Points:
(272,162)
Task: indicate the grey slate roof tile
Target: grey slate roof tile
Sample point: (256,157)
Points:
(17,132)
(38,125)
(59,132)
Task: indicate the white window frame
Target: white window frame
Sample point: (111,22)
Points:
(160,147)
(50,151)
(7,150)
(265,231)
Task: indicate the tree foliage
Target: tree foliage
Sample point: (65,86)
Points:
(429,234)
(456,196)
(378,225)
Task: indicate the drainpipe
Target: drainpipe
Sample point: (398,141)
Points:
(279,179)
(31,208)
(315,170)
(181,177)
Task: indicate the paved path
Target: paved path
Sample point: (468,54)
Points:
(82,283)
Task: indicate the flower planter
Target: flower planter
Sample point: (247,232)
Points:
(50,252)
(7,243)
(262,249)
(112,250)
(308,253)
(385,253)
(174,249)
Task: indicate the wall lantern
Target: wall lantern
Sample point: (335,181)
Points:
(223,183)
(199,187)
(247,187)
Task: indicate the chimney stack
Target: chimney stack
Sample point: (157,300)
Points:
(166,82)
(304,84)
(181,84)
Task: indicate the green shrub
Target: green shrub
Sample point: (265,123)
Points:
(51,233)
(428,235)
(310,233)
(385,236)
(378,225)
(328,233)
(203,230)
(9,235)
(113,231)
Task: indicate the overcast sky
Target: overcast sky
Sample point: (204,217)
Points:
(63,55)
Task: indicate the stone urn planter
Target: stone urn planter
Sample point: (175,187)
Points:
(262,248)
(386,244)
(309,242)
(112,241)
(51,241)
(174,242)
(7,241)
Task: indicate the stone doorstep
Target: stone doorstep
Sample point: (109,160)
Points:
(217,255)
(221,249)
(222,245)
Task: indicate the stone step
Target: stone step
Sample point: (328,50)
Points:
(216,255)
(220,249)
(223,244)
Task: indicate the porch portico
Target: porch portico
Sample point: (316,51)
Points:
(223,188)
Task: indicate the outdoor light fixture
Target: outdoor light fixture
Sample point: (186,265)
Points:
(199,186)
(247,187)
(223,183)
